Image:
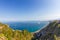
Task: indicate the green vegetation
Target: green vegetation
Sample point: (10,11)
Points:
(6,33)
(2,37)
(55,37)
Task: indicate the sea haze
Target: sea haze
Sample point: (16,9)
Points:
(31,26)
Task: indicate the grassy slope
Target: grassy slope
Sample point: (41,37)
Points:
(11,34)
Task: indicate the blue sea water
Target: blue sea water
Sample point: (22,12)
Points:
(30,26)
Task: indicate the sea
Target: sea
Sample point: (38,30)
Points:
(31,26)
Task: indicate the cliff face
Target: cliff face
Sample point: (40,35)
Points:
(51,32)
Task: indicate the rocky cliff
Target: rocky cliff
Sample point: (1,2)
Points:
(50,32)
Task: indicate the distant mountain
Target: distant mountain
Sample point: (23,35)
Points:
(50,32)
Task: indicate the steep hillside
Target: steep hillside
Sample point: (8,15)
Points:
(51,32)
(6,33)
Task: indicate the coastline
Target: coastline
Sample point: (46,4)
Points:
(41,28)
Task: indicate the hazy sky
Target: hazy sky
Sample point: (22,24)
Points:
(27,10)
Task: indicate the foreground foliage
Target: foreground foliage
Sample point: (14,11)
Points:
(6,33)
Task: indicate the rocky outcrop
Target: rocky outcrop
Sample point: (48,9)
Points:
(50,32)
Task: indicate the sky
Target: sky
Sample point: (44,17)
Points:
(29,10)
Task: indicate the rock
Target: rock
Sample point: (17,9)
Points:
(48,32)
